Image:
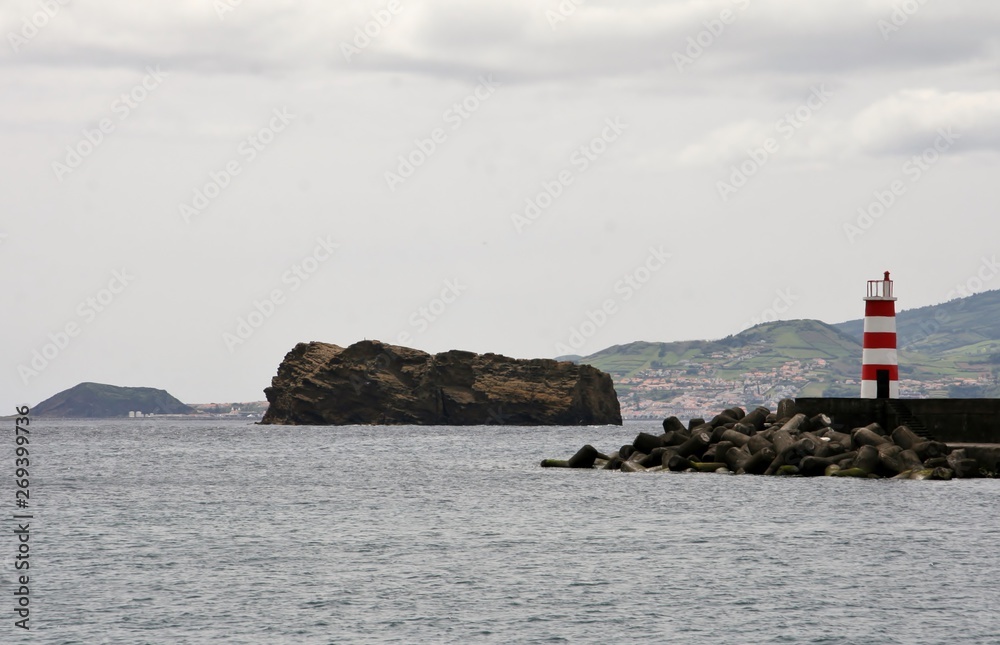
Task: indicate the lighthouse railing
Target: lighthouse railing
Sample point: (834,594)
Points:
(880,288)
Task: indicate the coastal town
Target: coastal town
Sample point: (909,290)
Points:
(695,388)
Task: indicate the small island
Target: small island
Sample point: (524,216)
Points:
(100,401)
(371,382)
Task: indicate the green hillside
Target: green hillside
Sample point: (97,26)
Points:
(949,350)
(766,347)
(95,400)
(775,342)
(972,323)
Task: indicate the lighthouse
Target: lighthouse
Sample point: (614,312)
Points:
(879,362)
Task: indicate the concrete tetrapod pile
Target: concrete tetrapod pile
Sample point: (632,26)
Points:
(781,443)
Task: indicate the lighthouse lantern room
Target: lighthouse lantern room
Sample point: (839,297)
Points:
(879,362)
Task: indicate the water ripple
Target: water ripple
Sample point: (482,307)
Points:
(195,532)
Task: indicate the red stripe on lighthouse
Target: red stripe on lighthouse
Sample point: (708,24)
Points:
(880,308)
(880,340)
(870,372)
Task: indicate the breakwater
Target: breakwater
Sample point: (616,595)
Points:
(949,420)
(787,441)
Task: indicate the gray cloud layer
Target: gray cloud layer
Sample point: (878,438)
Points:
(695,116)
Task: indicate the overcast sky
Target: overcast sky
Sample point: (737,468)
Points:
(193,187)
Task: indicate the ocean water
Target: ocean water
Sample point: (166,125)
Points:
(166,531)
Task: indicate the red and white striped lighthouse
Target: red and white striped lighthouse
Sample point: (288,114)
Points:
(879,362)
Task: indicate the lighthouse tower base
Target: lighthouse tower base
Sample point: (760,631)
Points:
(882,386)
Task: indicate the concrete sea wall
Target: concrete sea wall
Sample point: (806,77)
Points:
(950,420)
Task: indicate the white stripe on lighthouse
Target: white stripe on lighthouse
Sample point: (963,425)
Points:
(878,357)
(880,324)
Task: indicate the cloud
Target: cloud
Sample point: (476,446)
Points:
(726,143)
(838,38)
(906,121)
(902,123)
(770,52)
(515,38)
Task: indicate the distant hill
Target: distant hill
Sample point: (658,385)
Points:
(762,349)
(947,350)
(969,324)
(95,400)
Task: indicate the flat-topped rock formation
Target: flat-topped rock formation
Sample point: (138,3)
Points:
(371,382)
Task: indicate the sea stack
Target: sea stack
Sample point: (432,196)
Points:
(371,382)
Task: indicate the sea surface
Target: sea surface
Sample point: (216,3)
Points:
(169,531)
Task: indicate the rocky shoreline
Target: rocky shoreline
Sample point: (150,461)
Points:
(785,443)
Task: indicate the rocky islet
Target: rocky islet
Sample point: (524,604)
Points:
(371,382)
